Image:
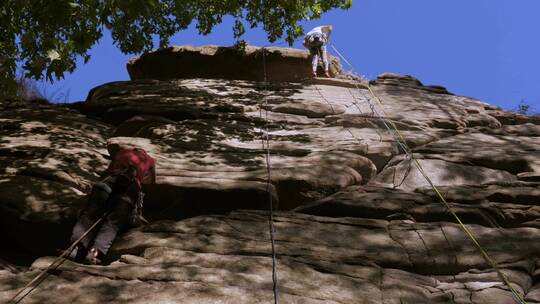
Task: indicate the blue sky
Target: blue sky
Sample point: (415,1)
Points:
(486,49)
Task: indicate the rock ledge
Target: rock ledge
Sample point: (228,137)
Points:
(211,61)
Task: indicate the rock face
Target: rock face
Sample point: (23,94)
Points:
(48,158)
(355,220)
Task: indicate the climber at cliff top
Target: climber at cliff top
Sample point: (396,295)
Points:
(118,196)
(315,41)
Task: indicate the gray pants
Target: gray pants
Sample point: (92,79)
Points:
(115,196)
(317,52)
(317,49)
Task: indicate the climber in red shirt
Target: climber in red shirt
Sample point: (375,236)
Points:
(119,196)
(143,164)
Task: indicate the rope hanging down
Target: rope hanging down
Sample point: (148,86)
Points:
(54,265)
(403,144)
(266,146)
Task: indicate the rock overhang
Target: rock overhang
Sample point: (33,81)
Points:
(211,61)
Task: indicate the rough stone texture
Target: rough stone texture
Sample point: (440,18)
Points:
(212,61)
(48,158)
(508,205)
(209,259)
(356,221)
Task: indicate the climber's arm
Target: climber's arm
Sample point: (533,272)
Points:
(150,177)
(153,175)
(327,29)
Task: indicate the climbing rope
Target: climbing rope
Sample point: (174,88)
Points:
(266,146)
(53,266)
(389,125)
(403,144)
(400,144)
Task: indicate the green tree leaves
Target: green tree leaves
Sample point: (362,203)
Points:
(48,36)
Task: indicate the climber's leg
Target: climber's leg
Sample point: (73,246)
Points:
(314,51)
(115,221)
(122,204)
(95,207)
(324,56)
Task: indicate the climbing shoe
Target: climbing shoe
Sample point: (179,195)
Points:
(77,254)
(93,257)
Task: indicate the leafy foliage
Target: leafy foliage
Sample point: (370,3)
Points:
(48,36)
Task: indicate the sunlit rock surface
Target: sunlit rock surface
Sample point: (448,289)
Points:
(357,223)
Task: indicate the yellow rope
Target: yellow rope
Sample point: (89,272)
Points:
(484,253)
(467,231)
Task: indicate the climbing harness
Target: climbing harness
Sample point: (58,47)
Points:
(402,143)
(53,266)
(266,146)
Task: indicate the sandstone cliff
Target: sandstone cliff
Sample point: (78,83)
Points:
(356,222)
